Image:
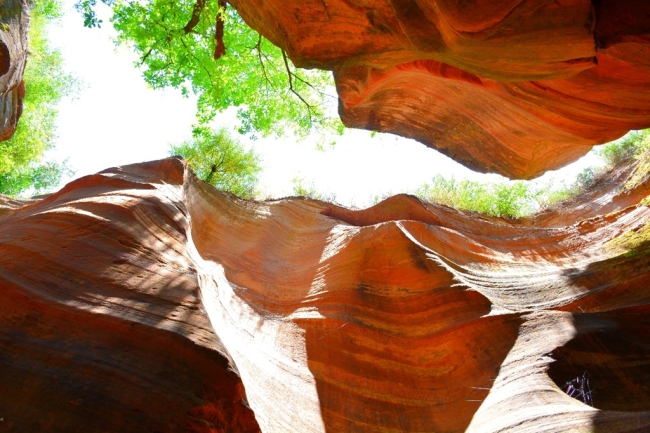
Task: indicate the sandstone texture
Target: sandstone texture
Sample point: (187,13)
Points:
(515,87)
(14,22)
(142,299)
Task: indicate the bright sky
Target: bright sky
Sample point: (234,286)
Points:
(117,119)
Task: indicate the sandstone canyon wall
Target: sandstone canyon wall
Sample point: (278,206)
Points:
(142,299)
(513,87)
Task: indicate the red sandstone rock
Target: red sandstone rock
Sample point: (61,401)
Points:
(513,40)
(141,299)
(513,87)
(101,325)
(402,317)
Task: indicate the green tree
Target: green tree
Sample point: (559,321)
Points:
(512,199)
(523,198)
(36,178)
(631,145)
(206,48)
(500,199)
(46,83)
(221,161)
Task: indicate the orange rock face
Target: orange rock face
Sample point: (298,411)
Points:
(101,325)
(141,299)
(512,87)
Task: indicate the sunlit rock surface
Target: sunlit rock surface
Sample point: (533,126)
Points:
(141,299)
(14,22)
(101,324)
(512,87)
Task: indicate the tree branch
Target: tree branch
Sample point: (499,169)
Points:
(290,75)
(196,13)
(218,166)
(214,169)
(259,56)
(197,60)
(145,56)
(219,48)
(307,83)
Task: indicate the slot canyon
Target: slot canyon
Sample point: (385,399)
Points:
(141,299)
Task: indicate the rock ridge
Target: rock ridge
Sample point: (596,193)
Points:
(141,299)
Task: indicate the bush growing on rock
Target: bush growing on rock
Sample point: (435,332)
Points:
(220,160)
(520,199)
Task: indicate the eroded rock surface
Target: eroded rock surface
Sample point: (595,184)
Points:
(513,87)
(101,325)
(141,299)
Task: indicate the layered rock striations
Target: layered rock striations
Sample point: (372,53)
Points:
(141,299)
(513,87)
(101,323)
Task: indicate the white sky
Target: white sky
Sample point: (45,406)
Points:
(116,119)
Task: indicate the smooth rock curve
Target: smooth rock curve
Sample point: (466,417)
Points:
(512,87)
(141,299)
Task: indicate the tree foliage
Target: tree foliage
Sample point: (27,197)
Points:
(634,145)
(629,146)
(205,47)
(34,177)
(87,9)
(221,161)
(506,199)
(523,198)
(46,83)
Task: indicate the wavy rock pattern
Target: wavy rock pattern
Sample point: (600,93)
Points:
(101,327)
(514,87)
(141,299)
